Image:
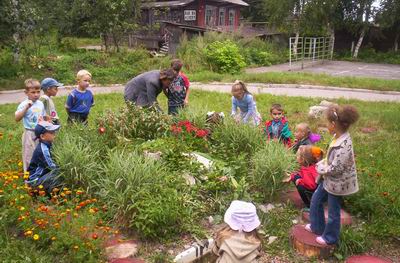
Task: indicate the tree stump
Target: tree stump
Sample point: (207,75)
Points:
(367,259)
(293,197)
(345,218)
(119,248)
(304,243)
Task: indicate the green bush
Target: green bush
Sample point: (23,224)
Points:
(270,165)
(133,122)
(8,68)
(237,138)
(139,194)
(225,56)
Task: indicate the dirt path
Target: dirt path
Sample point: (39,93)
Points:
(296,90)
(338,68)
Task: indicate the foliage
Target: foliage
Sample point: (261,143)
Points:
(238,138)
(353,240)
(370,55)
(132,122)
(140,194)
(270,165)
(225,56)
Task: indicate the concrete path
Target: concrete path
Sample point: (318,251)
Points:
(295,90)
(338,68)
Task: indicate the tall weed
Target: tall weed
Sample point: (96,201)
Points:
(270,165)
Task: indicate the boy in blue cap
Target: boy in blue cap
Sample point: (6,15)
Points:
(50,89)
(42,169)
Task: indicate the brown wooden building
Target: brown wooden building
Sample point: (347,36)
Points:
(218,14)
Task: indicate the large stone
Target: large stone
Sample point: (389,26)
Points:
(118,248)
(345,218)
(367,259)
(304,243)
(127,260)
(293,197)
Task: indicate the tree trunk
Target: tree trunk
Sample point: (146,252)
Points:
(332,35)
(115,40)
(16,49)
(396,42)
(104,37)
(360,40)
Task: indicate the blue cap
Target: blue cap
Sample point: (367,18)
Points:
(50,82)
(45,126)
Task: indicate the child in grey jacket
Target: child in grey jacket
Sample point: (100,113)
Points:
(337,175)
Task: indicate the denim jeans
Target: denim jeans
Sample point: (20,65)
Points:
(330,230)
(305,195)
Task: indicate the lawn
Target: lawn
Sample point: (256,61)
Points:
(91,167)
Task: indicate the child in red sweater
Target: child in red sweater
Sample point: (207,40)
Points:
(305,177)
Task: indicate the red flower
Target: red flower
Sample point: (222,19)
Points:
(176,130)
(201,133)
(102,130)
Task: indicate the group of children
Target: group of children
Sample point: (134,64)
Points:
(319,180)
(41,121)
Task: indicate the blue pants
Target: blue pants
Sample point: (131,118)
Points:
(330,230)
(49,181)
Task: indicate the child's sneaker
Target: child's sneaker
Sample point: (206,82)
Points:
(306,209)
(308,228)
(321,241)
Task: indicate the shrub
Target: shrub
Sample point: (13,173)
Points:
(139,194)
(225,56)
(270,165)
(133,122)
(8,68)
(237,138)
(77,157)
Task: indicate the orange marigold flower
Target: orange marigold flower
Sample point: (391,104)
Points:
(95,236)
(53,238)
(28,233)
(76,247)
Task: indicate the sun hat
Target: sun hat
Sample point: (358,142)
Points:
(45,126)
(50,82)
(242,216)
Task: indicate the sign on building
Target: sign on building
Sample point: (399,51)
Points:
(189,15)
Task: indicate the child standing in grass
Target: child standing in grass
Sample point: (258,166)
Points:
(178,90)
(80,100)
(278,127)
(337,173)
(238,241)
(305,178)
(50,89)
(30,111)
(42,169)
(242,99)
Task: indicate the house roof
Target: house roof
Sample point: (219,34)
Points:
(178,3)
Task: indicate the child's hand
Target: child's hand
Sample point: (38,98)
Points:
(30,103)
(186,102)
(297,182)
(286,180)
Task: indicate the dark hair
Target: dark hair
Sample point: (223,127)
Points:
(276,106)
(167,74)
(344,116)
(176,64)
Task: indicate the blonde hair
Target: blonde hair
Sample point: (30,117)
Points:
(31,84)
(81,73)
(239,83)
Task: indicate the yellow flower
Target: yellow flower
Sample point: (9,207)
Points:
(26,175)
(91,210)
(28,233)
(35,237)
(40,186)
(19,164)
(21,208)
(53,238)
(76,247)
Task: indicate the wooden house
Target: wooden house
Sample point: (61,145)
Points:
(166,21)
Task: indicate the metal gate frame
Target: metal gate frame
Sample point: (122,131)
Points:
(310,50)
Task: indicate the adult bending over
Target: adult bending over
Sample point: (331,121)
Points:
(144,89)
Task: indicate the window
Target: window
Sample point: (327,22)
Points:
(211,13)
(232,17)
(189,15)
(221,16)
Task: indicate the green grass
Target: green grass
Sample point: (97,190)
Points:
(300,78)
(377,203)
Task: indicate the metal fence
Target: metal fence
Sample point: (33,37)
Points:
(306,51)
